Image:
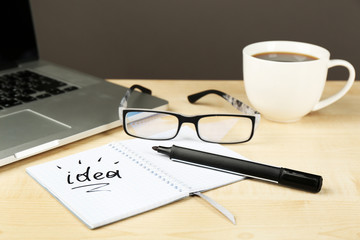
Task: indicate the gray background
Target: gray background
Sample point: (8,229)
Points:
(187,39)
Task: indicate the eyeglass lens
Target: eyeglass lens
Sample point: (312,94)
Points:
(225,129)
(151,125)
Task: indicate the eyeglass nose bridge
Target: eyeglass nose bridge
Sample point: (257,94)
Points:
(188,119)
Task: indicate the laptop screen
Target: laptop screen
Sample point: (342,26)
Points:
(17,41)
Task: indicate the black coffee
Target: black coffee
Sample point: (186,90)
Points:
(284,57)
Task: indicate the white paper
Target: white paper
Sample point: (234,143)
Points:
(125,178)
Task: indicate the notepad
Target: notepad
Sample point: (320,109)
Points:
(125,178)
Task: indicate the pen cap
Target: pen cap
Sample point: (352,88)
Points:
(300,180)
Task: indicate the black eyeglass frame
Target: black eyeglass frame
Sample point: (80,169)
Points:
(187,119)
(250,113)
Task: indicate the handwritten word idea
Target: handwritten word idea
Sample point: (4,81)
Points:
(91,177)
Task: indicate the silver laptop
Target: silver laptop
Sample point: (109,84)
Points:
(43,105)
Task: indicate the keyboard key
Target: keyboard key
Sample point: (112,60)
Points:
(55,91)
(71,88)
(44,95)
(26,98)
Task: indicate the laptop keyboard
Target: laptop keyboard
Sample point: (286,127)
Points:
(26,86)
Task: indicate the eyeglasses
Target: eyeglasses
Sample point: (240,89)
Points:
(165,125)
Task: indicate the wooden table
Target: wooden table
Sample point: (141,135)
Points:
(326,142)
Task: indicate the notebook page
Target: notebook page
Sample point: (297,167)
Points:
(195,178)
(103,185)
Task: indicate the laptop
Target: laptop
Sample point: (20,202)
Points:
(44,105)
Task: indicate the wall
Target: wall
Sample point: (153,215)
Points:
(187,39)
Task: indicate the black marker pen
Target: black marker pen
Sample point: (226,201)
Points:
(283,176)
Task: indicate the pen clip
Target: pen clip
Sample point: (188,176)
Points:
(217,206)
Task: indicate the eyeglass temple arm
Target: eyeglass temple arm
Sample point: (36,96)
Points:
(125,99)
(233,101)
(141,88)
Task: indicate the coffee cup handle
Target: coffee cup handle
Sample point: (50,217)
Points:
(344,90)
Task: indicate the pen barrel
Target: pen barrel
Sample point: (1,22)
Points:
(283,176)
(300,180)
(228,164)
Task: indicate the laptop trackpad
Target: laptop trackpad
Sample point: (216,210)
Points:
(24,126)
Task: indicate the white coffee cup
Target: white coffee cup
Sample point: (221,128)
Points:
(287,91)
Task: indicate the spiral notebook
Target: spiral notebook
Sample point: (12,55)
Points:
(126,178)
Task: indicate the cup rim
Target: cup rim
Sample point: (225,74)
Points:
(286,46)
